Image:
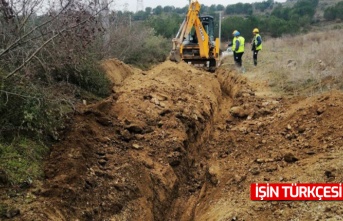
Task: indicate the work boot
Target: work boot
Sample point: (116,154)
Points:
(255,62)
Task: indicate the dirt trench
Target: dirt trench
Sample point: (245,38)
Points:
(178,143)
(138,155)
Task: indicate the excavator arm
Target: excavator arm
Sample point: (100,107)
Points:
(204,50)
(192,20)
(203,39)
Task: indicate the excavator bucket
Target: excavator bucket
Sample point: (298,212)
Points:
(175,56)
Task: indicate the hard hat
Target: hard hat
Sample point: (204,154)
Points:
(236,33)
(255,30)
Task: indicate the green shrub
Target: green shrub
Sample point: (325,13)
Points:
(92,79)
(29,110)
(334,12)
(154,49)
(89,77)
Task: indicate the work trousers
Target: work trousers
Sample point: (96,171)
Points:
(255,53)
(238,58)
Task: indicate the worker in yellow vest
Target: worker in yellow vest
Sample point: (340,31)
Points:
(238,47)
(256,44)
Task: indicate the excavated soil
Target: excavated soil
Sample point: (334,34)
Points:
(178,143)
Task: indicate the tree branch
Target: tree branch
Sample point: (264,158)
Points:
(49,40)
(11,46)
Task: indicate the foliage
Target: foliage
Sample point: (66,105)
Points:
(40,56)
(168,9)
(283,20)
(239,8)
(138,44)
(158,10)
(181,11)
(154,50)
(302,10)
(220,8)
(281,12)
(33,57)
(262,6)
(31,41)
(243,25)
(305,8)
(334,12)
(29,110)
(141,15)
(276,27)
(89,76)
(166,25)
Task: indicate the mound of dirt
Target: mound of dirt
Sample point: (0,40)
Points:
(178,143)
(117,70)
(129,156)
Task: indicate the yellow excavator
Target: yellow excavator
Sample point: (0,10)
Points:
(194,43)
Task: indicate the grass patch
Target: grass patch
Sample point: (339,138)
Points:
(21,160)
(305,64)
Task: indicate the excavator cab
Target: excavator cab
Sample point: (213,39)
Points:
(195,42)
(191,49)
(208,24)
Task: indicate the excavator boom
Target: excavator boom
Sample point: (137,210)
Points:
(197,48)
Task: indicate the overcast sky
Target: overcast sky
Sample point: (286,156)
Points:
(132,4)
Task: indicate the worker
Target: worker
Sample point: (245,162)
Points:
(238,48)
(256,44)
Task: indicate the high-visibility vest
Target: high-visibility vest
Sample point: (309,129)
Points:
(255,41)
(241,44)
(234,43)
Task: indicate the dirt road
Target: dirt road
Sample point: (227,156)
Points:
(177,143)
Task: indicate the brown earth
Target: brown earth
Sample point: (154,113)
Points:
(178,143)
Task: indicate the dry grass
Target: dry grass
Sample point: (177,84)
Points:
(305,64)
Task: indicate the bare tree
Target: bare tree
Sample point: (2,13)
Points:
(27,29)
(41,44)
